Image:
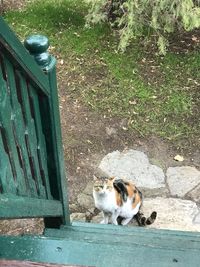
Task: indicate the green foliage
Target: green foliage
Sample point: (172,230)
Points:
(134,17)
(153,95)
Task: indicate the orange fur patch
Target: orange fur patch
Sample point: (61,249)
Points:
(118,198)
(130,188)
(137,200)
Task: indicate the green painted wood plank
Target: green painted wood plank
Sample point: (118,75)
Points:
(175,240)
(19,129)
(41,147)
(56,150)
(6,176)
(25,106)
(96,253)
(6,120)
(26,207)
(82,226)
(17,51)
(32,145)
(7,183)
(26,140)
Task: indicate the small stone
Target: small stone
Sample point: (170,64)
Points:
(181,180)
(111,131)
(73,207)
(89,188)
(133,165)
(85,201)
(98,218)
(77,216)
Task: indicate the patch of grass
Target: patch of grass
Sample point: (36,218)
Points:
(156,95)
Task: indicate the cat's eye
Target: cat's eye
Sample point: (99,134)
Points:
(98,186)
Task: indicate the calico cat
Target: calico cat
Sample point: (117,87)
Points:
(120,200)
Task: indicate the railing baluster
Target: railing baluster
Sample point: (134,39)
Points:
(41,149)
(6,176)
(7,123)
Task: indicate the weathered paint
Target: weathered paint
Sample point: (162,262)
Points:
(31,156)
(25,207)
(101,249)
(11,45)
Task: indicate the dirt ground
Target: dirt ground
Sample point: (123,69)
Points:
(11,4)
(87,137)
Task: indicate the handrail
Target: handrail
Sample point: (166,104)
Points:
(16,50)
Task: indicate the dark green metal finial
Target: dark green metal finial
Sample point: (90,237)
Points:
(37,46)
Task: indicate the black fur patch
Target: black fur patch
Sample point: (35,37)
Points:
(142,220)
(120,186)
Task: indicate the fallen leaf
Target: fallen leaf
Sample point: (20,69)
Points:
(179,158)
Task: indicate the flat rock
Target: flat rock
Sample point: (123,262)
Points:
(181,180)
(133,165)
(173,213)
(195,194)
(155,192)
(197,218)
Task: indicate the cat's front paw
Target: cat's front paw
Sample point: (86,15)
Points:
(115,222)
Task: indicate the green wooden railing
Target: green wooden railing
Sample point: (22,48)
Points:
(32,175)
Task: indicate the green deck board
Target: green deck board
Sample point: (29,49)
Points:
(97,227)
(130,237)
(99,250)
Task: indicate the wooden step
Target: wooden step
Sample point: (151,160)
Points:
(127,236)
(105,246)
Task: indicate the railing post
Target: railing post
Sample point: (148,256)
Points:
(37,46)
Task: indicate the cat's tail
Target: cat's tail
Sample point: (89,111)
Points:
(143,221)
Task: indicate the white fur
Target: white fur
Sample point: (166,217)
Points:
(106,202)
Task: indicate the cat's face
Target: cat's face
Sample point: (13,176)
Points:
(103,185)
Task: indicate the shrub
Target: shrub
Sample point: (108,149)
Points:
(135,18)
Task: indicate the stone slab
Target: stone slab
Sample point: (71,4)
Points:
(173,213)
(181,180)
(133,165)
(195,194)
(197,218)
